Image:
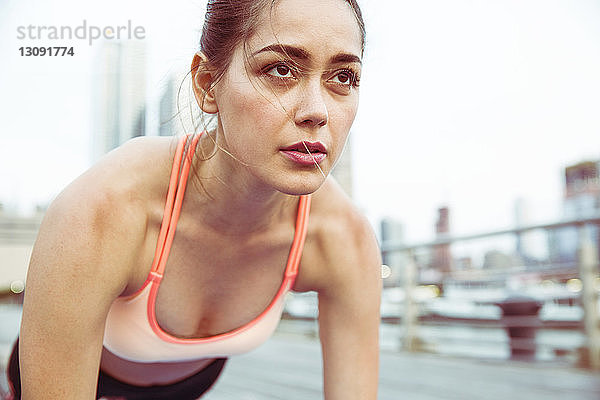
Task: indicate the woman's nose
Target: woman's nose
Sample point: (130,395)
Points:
(311,110)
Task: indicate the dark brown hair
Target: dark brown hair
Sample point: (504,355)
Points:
(230,22)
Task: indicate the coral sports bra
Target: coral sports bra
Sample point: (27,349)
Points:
(132,331)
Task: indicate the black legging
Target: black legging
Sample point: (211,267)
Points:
(188,389)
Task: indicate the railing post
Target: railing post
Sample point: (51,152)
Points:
(409,319)
(588,271)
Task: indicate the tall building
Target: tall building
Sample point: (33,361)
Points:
(442,258)
(343,169)
(168,117)
(120,95)
(392,231)
(581,199)
(520,220)
(582,189)
(526,251)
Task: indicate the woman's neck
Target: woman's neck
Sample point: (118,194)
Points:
(228,199)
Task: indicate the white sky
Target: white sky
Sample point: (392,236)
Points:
(465,103)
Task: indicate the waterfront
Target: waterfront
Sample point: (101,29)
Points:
(460,362)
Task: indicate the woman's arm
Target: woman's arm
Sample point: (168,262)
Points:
(80,263)
(349,313)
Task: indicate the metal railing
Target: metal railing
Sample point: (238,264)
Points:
(586,268)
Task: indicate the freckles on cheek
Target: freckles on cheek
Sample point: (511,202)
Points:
(344,115)
(265,115)
(251,105)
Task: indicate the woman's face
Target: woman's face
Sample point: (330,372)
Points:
(287,102)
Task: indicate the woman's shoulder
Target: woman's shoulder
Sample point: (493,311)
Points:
(134,165)
(335,215)
(125,175)
(106,212)
(119,190)
(340,240)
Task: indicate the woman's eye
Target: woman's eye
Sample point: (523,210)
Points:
(280,71)
(344,78)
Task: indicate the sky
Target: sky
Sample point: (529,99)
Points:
(466,104)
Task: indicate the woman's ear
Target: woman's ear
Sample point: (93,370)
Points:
(202,81)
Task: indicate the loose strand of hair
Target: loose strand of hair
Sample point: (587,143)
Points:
(291,117)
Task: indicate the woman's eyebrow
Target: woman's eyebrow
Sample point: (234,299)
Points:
(286,50)
(345,58)
(301,54)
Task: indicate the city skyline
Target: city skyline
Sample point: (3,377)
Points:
(462,105)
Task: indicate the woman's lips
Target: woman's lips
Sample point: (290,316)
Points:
(305,153)
(304,158)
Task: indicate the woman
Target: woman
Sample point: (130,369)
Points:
(118,306)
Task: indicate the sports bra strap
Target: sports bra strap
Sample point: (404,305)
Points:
(175,194)
(299,236)
(177,184)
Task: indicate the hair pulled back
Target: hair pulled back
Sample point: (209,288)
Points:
(230,22)
(227,23)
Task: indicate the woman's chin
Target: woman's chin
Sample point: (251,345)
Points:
(298,187)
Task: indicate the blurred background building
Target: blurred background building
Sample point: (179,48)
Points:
(119,109)
(581,198)
(392,231)
(342,171)
(168,108)
(442,258)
